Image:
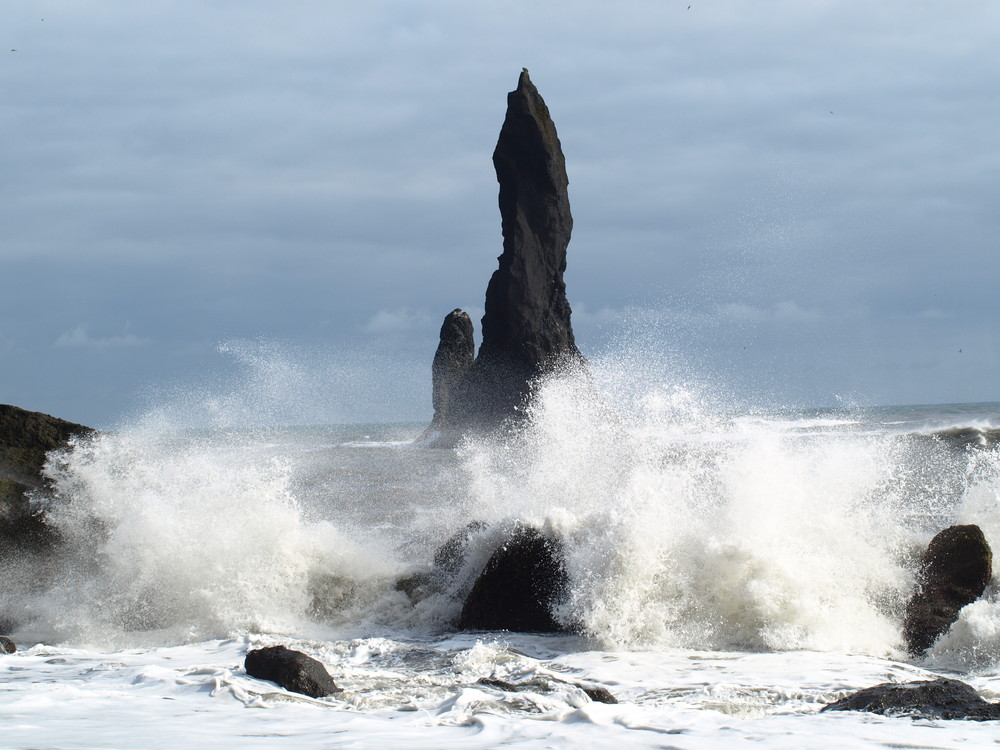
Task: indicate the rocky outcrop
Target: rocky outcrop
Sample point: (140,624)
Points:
(520,586)
(931,699)
(526,328)
(954,571)
(26,437)
(7,646)
(292,670)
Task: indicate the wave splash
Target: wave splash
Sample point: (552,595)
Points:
(683,525)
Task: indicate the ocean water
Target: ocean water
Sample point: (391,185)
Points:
(731,571)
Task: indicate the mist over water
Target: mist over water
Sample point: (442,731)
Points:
(685,524)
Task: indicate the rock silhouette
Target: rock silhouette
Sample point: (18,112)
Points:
(526,328)
(954,570)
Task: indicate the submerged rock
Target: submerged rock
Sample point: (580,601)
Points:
(292,670)
(954,571)
(26,437)
(939,699)
(520,585)
(526,328)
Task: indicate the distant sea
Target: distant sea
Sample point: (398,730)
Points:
(731,574)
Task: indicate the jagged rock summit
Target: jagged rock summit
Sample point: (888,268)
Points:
(526,328)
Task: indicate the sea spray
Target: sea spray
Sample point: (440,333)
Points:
(686,524)
(192,535)
(688,529)
(973,642)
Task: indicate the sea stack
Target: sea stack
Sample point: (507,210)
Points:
(526,328)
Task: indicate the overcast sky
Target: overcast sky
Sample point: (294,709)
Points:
(238,202)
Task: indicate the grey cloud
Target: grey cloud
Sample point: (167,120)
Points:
(81,337)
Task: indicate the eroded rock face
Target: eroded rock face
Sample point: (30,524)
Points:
(938,699)
(954,571)
(526,329)
(292,670)
(519,587)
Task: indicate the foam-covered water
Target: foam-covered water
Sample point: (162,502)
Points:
(729,573)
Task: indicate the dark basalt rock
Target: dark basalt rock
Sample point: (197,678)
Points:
(526,328)
(519,587)
(937,699)
(292,670)
(954,571)
(26,437)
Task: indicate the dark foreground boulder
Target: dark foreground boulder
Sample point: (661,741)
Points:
(937,699)
(954,571)
(292,670)
(521,584)
(7,646)
(26,437)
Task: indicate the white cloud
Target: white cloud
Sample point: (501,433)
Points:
(787,311)
(400,320)
(80,337)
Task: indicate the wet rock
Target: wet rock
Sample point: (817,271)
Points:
(7,646)
(520,585)
(938,699)
(526,329)
(954,571)
(26,437)
(292,670)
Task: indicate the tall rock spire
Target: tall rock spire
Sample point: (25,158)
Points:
(527,317)
(526,328)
